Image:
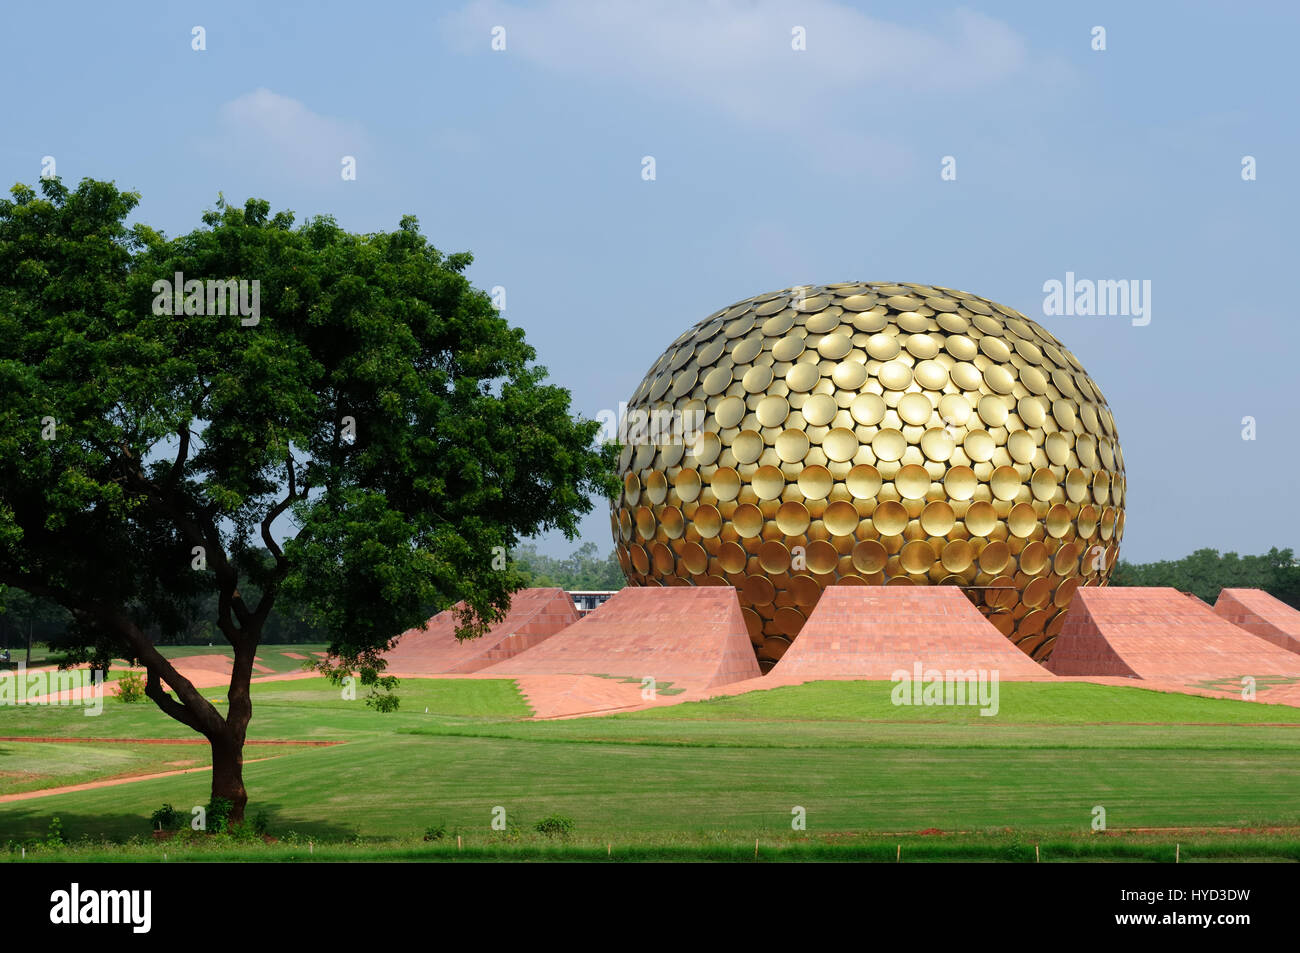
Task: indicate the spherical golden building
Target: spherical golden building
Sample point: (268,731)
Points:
(871,434)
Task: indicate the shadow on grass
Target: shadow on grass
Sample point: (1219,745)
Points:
(23,821)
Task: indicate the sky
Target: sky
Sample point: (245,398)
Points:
(991,148)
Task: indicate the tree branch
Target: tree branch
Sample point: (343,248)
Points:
(178,466)
(198,712)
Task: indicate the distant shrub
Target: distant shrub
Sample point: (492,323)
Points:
(130,687)
(555,825)
(54,836)
(436,833)
(167,818)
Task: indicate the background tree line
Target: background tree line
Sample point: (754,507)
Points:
(23,616)
(1206,571)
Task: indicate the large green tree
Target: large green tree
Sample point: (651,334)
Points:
(376,427)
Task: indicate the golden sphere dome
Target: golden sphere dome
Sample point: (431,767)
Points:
(871,434)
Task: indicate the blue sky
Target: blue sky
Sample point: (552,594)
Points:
(774,167)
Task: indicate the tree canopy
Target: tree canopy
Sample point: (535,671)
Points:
(583,569)
(370,439)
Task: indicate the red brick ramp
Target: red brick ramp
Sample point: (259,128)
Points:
(691,636)
(871,632)
(1261,614)
(1158,633)
(535,615)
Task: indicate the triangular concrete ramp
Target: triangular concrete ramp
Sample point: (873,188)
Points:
(871,632)
(1158,633)
(1261,614)
(692,636)
(535,615)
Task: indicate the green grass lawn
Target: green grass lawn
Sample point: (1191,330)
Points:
(702,776)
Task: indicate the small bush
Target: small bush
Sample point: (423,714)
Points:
(555,825)
(436,833)
(54,836)
(130,687)
(261,823)
(167,818)
(218,811)
(383,702)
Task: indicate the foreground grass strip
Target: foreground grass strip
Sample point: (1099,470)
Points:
(397,786)
(1015,848)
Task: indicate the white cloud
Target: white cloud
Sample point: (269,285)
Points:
(737,55)
(283,136)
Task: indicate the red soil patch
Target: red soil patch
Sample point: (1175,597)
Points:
(535,615)
(871,632)
(1260,614)
(1158,633)
(691,636)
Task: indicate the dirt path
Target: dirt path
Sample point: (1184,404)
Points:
(159,741)
(109,783)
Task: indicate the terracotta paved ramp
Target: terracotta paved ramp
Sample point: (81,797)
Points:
(691,636)
(535,615)
(1261,614)
(1158,633)
(870,632)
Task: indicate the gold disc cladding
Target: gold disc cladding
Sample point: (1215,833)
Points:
(914,408)
(788,348)
(896,434)
(869,557)
(937,519)
(815,482)
(931,375)
(792,518)
(729,412)
(850,375)
(819,409)
(890,518)
(863,481)
(840,444)
(768,483)
(868,409)
(792,445)
(802,377)
(894,375)
(888,445)
(747,446)
(772,411)
(883,347)
(912,482)
(841,518)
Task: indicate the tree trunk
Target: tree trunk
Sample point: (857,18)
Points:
(228,774)
(28,663)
